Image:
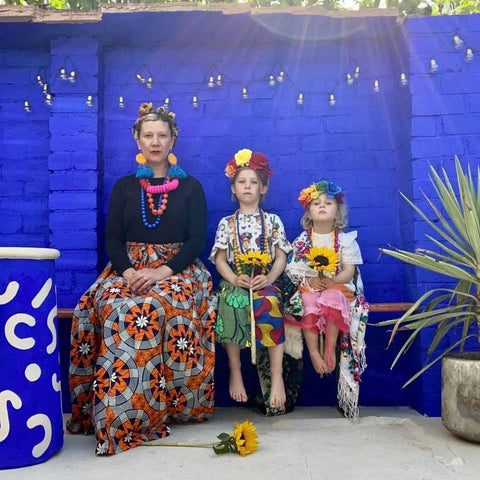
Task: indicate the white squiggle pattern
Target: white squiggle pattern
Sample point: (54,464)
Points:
(5,397)
(41,420)
(10,292)
(42,293)
(51,326)
(33,372)
(56,383)
(11,336)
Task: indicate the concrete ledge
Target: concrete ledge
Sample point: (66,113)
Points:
(32,14)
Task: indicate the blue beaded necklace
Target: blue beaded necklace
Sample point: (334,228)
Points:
(156,223)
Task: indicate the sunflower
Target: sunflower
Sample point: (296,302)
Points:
(246,438)
(255,259)
(323,260)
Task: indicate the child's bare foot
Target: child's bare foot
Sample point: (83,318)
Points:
(278,396)
(330,360)
(236,387)
(318,362)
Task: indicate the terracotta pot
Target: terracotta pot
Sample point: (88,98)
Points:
(461,395)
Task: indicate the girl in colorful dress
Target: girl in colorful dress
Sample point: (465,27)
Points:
(329,297)
(250,254)
(143,346)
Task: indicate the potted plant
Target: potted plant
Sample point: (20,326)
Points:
(452,312)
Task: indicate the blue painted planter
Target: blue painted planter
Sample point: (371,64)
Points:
(31,423)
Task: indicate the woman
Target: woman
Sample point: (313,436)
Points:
(142,335)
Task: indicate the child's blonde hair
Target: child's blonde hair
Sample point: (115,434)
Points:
(340,222)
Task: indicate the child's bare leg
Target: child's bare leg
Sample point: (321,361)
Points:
(277,388)
(236,386)
(330,345)
(311,339)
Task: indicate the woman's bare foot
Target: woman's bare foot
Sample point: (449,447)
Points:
(236,387)
(278,396)
(318,362)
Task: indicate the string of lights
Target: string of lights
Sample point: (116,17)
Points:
(216,79)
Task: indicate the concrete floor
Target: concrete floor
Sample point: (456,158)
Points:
(310,443)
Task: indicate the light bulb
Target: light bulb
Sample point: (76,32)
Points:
(121,102)
(469,55)
(211,82)
(72,77)
(219,80)
(376,86)
(300,99)
(48,100)
(457,41)
(45,88)
(63,74)
(403,80)
(357,72)
(89,101)
(244,93)
(140,78)
(349,79)
(331,100)
(195,101)
(149,82)
(40,80)
(281,76)
(271,80)
(166,103)
(433,65)
(26,106)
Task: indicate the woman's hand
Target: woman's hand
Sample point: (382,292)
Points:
(141,281)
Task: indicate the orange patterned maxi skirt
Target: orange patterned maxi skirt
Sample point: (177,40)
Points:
(137,362)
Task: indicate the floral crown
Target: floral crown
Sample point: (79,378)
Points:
(249,159)
(330,189)
(162,112)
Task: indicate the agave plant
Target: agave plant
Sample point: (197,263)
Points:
(451,311)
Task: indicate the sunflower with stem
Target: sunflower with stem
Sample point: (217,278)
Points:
(243,440)
(323,260)
(254,263)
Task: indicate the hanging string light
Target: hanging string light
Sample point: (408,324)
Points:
(300,99)
(331,100)
(349,79)
(403,80)
(376,86)
(469,55)
(271,81)
(244,93)
(195,101)
(26,106)
(219,80)
(121,102)
(457,41)
(89,101)
(211,82)
(433,65)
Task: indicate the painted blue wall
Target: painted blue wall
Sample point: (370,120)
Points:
(58,163)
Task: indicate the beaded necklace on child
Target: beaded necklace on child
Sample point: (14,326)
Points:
(237,243)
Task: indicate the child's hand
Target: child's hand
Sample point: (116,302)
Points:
(259,282)
(243,281)
(314,283)
(325,283)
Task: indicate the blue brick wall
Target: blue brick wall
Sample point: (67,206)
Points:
(58,164)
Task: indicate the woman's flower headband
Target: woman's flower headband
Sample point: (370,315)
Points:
(246,158)
(330,189)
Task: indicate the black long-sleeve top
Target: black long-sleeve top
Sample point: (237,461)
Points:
(184,220)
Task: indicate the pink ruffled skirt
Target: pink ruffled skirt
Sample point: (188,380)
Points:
(331,305)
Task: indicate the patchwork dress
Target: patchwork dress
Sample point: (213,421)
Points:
(233,317)
(354,311)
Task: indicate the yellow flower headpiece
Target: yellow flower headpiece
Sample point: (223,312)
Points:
(249,159)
